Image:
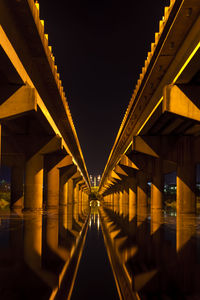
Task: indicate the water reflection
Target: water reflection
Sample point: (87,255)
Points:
(158,252)
(36,250)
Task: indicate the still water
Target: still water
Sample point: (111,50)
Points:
(94,279)
(158,250)
(36,250)
(154,254)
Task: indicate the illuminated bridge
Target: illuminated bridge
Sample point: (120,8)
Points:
(52,236)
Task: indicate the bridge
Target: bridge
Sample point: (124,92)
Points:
(46,225)
(159,133)
(39,142)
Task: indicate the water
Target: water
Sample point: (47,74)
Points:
(36,250)
(156,254)
(95,279)
(159,250)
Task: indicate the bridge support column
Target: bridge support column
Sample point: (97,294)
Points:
(125,202)
(132,198)
(53,185)
(157,185)
(186,178)
(34,170)
(70,191)
(142,196)
(17,190)
(66,184)
(33,194)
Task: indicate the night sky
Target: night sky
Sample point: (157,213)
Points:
(100,48)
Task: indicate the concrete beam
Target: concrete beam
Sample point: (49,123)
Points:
(182,100)
(147,145)
(22,101)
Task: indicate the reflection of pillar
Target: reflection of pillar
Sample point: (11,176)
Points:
(142,196)
(116,202)
(17,181)
(76,193)
(112,200)
(53,187)
(52,234)
(132,199)
(33,242)
(33,193)
(156,219)
(76,211)
(157,185)
(67,216)
(52,231)
(186,178)
(80,202)
(186,249)
(120,202)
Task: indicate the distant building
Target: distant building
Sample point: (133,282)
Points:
(4,186)
(95,180)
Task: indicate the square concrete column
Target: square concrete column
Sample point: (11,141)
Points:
(53,186)
(125,201)
(142,197)
(132,198)
(186,177)
(17,187)
(157,185)
(70,191)
(33,193)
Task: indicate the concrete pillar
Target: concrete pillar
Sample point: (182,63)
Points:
(17,189)
(70,191)
(142,197)
(157,185)
(63,191)
(132,199)
(125,202)
(53,186)
(186,178)
(33,189)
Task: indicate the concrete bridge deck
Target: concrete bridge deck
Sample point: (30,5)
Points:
(38,138)
(160,130)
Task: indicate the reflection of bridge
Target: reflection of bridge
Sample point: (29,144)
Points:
(39,141)
(159,134)
(160,130)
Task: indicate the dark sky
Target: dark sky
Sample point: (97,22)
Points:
(100,48)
